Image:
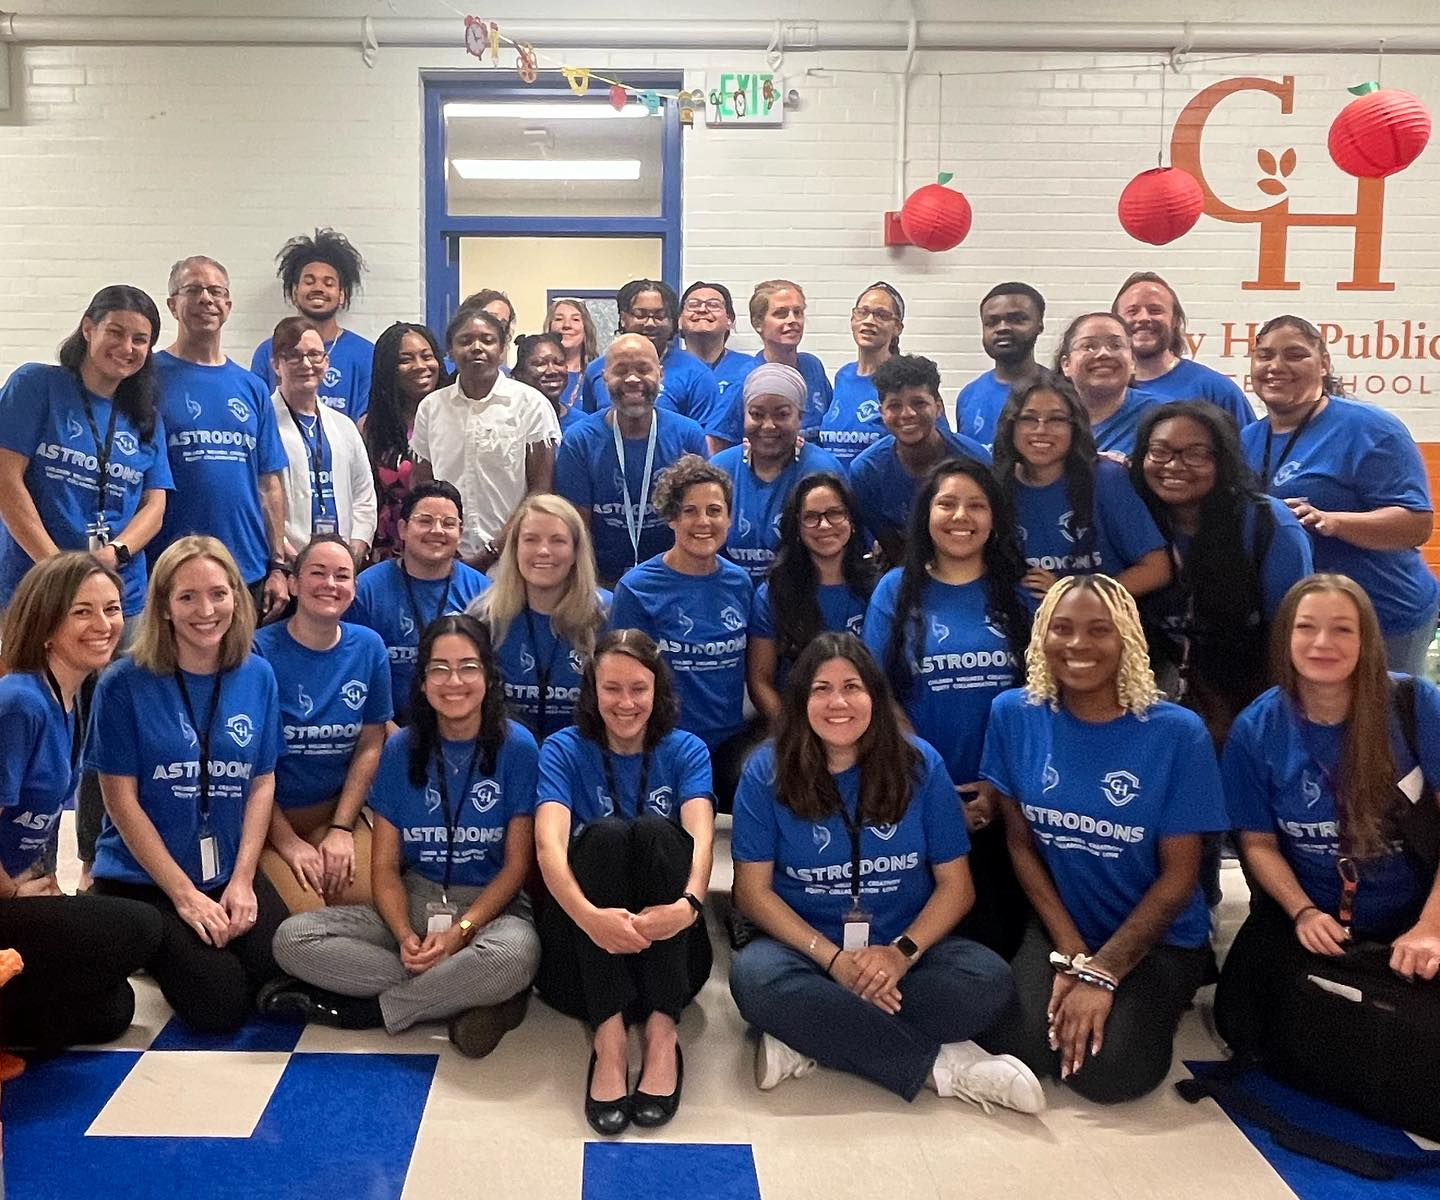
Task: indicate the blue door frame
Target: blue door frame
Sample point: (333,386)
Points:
(444,231)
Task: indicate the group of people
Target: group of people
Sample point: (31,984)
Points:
(410,696)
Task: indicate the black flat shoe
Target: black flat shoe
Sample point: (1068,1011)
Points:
(650,1112)
(606,1117)
(288,999)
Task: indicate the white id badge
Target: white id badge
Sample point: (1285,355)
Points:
(439,916)
(1413,786)
(98,540)
(209,857)
(321,526)
(855,930)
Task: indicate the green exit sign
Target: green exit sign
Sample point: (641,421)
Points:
(744,98)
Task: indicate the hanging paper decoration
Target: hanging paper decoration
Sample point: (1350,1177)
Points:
(578,78)
(525,62)
(936,217)
(1380,133)
(651,101)
(687,102)
(737,102)
(1160,205)
(619,97)
(494,43)
(767,92)
(477,35)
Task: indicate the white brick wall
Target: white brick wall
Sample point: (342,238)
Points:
(114,161)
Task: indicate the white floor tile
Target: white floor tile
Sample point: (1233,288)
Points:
(192,1093)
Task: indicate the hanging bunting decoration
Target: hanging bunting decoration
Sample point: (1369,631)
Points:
(1379,133)
(1160,205)
(494,43)
(578,78)
(651,101)
(935,217)
(619,97)
(687,102)
(525,62)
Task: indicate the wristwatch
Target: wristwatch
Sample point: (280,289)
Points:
(122,554)
(467,928)
(906,947)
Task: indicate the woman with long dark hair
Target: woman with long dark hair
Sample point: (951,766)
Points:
(820,581)
(850,856)
(449,936)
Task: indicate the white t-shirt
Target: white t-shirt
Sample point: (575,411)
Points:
(479,445)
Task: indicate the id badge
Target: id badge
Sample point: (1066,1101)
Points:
(99,537)
(321,526)
(439,916)
(856,930)
(209,857)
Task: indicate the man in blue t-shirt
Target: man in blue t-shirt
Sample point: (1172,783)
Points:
(226,457)
(707,319)
(1151,308)
(1012,318)
(320,275)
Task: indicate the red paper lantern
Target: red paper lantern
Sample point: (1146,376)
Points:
(1160,205)
(935,217)
(1379,133)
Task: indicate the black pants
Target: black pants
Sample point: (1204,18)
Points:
(727,760)
(1001,911)
(1139,1034)
(212,990)
(631,865)
(78,952)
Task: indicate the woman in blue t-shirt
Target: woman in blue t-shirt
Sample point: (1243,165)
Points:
(543,611)
(184,735)
(1076,512)
(540,362)
(334,685)
(820,580)
(1321,773)
(62,626)
(851,423)
(950,628)
(1106,792)
(448,934)
(849,855)
(697,607)
(624,827)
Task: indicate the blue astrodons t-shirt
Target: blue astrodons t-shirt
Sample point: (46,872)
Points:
(852,422)
(481,812)
(1354,457)
(1190,380)
(1116,433)
(729,371)
(1278,770)
(755,511)
(1119,534)
(812,859)
(221,433)
(530,649)
(326,698)
(729,424)
(885,490)
(139,727)
(977,407)
(587,473)
(42,418)
(1100,797)
(841,610)
(572,773)
(36,774)
(962,664)
(346,386)
(687,387)
(400,613)
(700,623)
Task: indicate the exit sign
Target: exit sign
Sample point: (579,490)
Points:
(744,98)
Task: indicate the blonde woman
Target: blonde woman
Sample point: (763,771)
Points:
(543,611)
(184,736)
(571,320)
(1106,791)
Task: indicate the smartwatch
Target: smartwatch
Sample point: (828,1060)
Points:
(906,947)
(122,554)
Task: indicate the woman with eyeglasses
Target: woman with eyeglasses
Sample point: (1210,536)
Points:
(851,422)
(571,321)
(1095,356)
(449,936)
(1353,476)
(1076,513)
(540,362)
(329,484)
(820,581)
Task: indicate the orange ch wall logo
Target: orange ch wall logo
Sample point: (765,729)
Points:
(1367,220)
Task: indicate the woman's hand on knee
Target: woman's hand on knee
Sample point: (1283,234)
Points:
(337,857)
(209,920)
(1078,1027)
(241,907)
(1320,933)
(1416,954)
(307,865)
(614,931)
(660,922)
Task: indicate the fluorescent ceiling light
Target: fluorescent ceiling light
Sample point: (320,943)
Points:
(544,110)
(552,168)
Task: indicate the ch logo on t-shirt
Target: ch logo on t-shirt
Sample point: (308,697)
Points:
(73,429)
(731,618)
(1309,789)
(354,694)
(127,443)
(332,377)
(855,623)
(868,410)
(485,795)
(241,728)
(307,705)
(1120,787)
(1049,777)
(577,662)
(238,408)
(1287,472)
(1070,531)
(994,629)
(662,799)
(884,832)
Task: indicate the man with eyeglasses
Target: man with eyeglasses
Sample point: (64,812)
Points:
(1012,318)
(226,455)
(399,597)
(650,308)
(707,318)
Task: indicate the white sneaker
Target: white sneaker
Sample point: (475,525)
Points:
(776,1062)
(965,1071)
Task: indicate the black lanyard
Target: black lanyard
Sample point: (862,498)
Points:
(315,454)
(542,674)
(1289,445)
(421,623)
(615,792)
(72,719)
(202,735)
(442,771)
(102,449)
(853,828)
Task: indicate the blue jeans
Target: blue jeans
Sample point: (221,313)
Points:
(1406,651)
(956,991)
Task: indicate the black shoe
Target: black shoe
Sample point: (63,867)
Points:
(477,1031)
(650,1112)
(288,999)
(606,1117)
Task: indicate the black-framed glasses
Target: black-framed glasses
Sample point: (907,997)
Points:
(812,519)
(294,358)
(1162,455)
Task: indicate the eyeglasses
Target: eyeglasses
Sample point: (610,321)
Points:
(295,357)
(863,312)
(657,315)
(468,671)
(1192,456)
(831,516)
(424,522)
(192,291)
(1033,421)
(714,306)
(1094,345)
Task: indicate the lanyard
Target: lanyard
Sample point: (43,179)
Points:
(615,792)
(72,719)
(542,675)
(1289,445)
(442,770)
(1345,865)
(635,513)
(102,449)
(853,827)
(315,453)
(421,623)
(202,734)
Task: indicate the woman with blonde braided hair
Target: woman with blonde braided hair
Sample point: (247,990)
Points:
(1106,790)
